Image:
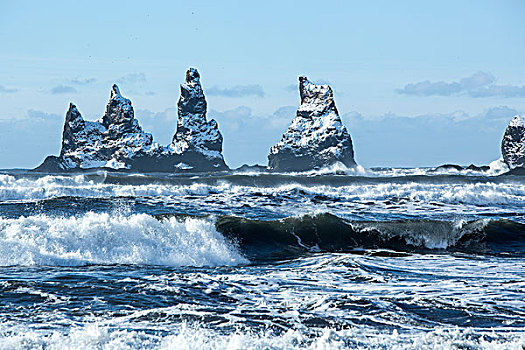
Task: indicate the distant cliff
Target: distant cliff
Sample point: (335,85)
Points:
(117,141)
(316,137)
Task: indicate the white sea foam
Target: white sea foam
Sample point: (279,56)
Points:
(382,302)
(108,238)
(53,186)
(95,336)
(450,193)
(477,193)
(498,167)
(340,168)
(366,199)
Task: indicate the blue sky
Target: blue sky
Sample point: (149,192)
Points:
(417,83)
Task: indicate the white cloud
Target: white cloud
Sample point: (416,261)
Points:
(479,84)
(63,89)
(26,140)
(6,90)
(237,91)
(36,114)
(82,81)
(132,78)
(429,139)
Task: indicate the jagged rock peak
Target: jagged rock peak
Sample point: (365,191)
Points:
(192,76)
(518,121)
(513,143)
(191,92)
(115,91)
(117,141)
(192,100)
(312,93)
(116,96)
(315,99)
(73,115)
(114,141)
(78,138)
(73,124)
(119,117)
(195,135)
(316,138)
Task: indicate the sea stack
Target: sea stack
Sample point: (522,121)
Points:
(513,143)
(316,138)
(124,140)
(117,141)
(111,142)
(197,141)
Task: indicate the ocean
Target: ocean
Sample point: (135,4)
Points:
(378,258)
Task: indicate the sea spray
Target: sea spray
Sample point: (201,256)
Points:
(113,238)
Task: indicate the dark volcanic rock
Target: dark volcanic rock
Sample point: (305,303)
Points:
(478,168)
(197,140)
(316,137)
(513,143)
(255,167)
(112,142)
(449,167)
(471,167)
(52,164)
(117,141)
(78,140)
(73,127)
(516,171)
(119,117)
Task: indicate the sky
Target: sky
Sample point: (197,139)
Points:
(417,83)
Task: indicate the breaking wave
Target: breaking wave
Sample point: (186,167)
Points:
(105,238)
(294,236)
(117,238)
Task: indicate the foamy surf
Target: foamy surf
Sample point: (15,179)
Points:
(189,337)
(108,238)
(267,196)
(119,237)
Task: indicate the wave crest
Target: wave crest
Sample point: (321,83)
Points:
(123,238)
(106,238)
(325,232)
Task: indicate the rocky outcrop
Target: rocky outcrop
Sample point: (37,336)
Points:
(114,141)
(117,141)
(471,167)
(316,138)
(251,168)
(197,141)
(513,143)
(516,171)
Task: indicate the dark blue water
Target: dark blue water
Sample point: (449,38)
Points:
(392,258)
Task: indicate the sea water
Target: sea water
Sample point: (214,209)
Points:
(376,258)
